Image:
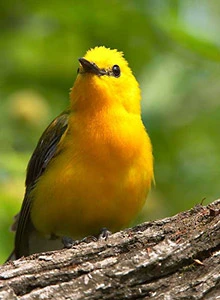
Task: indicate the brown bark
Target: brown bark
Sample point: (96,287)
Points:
(173,258)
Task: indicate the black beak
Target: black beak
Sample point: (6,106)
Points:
(90,67)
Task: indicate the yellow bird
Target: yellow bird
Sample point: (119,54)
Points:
(93,165)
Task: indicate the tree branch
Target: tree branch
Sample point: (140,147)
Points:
(173,258)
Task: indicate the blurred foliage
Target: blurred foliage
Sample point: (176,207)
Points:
(173,48)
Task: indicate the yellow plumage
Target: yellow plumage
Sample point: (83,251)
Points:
(102,167)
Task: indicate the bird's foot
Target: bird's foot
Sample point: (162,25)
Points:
(68,242)
(104,234)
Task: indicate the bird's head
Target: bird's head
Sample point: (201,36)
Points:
(105,80)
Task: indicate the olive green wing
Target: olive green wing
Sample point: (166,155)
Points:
(45,150)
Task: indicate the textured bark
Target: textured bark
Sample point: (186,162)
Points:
(173,258)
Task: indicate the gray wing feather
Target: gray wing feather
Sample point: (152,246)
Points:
(45,150)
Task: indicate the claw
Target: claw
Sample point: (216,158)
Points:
(89,239)
(104,234)
(68,242)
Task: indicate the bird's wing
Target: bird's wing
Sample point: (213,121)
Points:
(42,155)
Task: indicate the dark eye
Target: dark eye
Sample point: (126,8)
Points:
(116,70)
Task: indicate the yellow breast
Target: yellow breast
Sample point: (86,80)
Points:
(100,178)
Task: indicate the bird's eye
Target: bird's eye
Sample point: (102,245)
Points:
(116,70)
(77,71)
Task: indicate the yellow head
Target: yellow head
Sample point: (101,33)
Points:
(105,80)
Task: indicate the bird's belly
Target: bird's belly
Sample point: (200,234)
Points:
(79,200)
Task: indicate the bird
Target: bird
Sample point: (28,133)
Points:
(93,165)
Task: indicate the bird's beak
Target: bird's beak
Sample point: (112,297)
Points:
(90,67)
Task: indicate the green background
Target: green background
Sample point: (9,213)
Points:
(173,48)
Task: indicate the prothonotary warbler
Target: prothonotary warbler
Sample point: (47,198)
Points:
(93,165)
